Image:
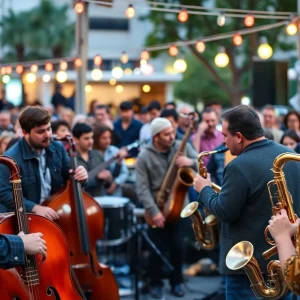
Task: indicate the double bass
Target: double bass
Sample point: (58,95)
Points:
(38,278)
(81,219)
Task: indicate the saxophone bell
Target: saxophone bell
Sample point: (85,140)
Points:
(186,176)
(206,232)
(241,257)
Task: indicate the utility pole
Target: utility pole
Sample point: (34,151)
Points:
(82,28)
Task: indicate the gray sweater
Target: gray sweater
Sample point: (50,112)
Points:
(151,168)
(243,205)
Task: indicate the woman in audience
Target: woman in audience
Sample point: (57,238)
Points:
(291,140)
(292,121)
(118,169)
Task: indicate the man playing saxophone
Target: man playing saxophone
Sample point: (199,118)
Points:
(282,230)
(152,165)
(243,205)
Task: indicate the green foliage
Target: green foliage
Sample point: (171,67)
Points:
(167,29)
(43,32)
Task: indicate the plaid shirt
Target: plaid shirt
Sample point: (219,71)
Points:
(11,251)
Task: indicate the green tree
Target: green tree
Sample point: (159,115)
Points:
(166,29)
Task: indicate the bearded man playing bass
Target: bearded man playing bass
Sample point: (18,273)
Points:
(243,206)
(152,165)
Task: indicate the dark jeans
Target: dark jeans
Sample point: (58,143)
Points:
(238,287)
(167,239)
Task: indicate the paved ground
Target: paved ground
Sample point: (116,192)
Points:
(197,288)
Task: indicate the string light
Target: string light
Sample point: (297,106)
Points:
(88,88)
(30,77)
(97,60)
(145,55)
(77,62)
(147,69)
(61,76)
(48,66)
(173,50)
(19,69)
(124,58)
(143,62)
(79,7)
(112,81)
(237,39)
(183,15)
(221,59)
(34,68)
(46,78)
(291,29)
(249,21)
(97,74)
(119,89)
(264,50)
(6,79)
(3,70)
(130,12)
(9,70)
(127,71)
(180,65)
(200,46)
(63,65)
(221,20)
(117,72)
(146,88)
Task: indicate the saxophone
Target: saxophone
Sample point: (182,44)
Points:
(241,255)
(207,231)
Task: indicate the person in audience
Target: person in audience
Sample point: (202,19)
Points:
(5,137)
(118,169)
(60,128)
(292,121)
(291,139)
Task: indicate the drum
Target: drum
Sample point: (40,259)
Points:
(119,218)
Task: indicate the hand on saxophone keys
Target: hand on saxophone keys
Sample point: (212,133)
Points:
(200,182)
(281,227)
(158,220)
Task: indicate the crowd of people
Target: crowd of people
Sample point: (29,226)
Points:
(254,137)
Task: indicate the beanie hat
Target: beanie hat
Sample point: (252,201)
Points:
(158,125)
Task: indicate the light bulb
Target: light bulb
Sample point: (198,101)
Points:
(237,39)
(200,46)
(183,15)
(88,88)
(8,70)
(61,76)
(180,65)
(46,78)
(119,89)
(147,69)
(79,7)
(221,59)
(30,77)
(63,65)
(112,81)
(77,62)
(221,19)
(264,50)
(97,60)
(124,58)
(48,66)
(96,74)
(34,68)
(249,21)
(173,50)
(145,55)
(6,79)
(146,88)
(130,12)
(291,29)
(117,72)
(19,69)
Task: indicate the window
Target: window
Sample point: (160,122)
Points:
(109,24)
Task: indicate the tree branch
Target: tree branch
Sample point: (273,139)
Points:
(212,71)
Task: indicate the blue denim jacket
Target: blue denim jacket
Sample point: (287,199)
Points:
(58,163)
(11,251)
